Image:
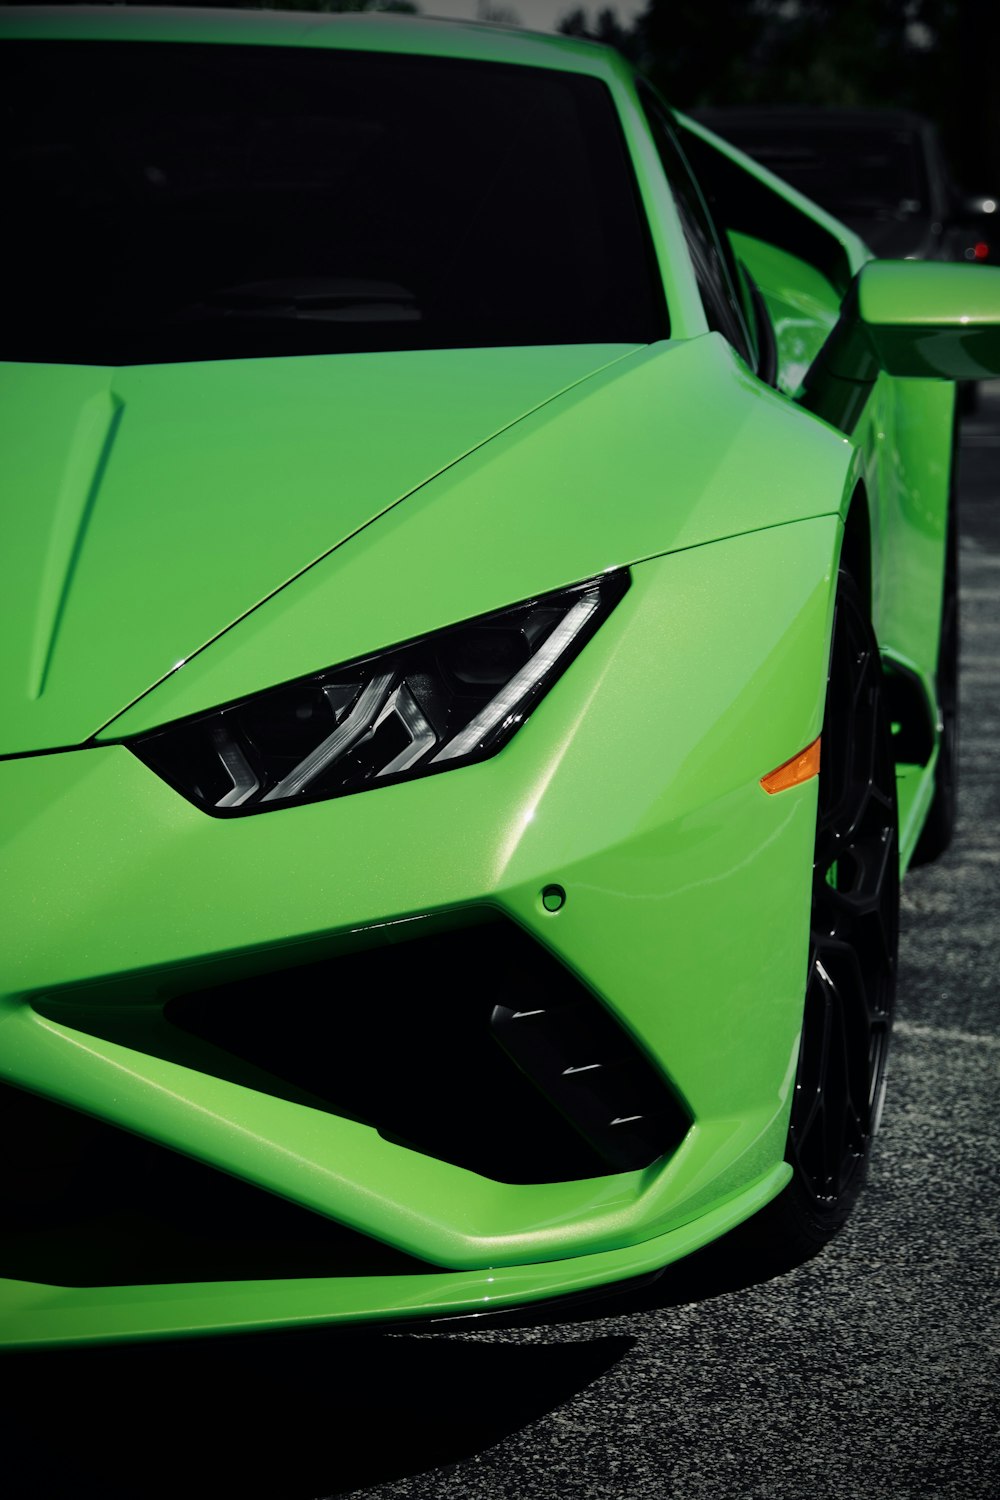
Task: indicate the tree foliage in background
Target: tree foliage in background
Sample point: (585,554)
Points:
(394,7)
(499,15)
(605,28)
(938,57)
(397,7)
(848,52)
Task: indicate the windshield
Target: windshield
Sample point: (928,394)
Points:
(180,201)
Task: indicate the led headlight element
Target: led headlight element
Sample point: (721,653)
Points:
(435,703)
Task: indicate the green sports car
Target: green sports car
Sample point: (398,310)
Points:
(480,649)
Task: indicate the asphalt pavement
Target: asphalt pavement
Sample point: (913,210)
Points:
(870,1371)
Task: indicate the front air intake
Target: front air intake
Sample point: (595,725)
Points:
(473,1045)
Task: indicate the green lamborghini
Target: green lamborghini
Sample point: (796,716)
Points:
(480,652)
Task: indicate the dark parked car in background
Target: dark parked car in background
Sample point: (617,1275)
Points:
(883,172)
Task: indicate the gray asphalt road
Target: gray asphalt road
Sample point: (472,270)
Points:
(870,1372)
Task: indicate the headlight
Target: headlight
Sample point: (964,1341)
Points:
(441,701)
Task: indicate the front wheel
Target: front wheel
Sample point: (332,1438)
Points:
(850,986)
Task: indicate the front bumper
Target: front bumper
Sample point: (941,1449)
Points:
(635,787)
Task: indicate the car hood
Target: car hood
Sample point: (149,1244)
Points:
(676,446)
(149,508)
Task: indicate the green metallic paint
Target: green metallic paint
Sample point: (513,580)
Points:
(550,502)
(915,455)
(915,793)
(635,785)
(801,303)
(907,319)
(33,1315)
(88,826)
(368,33)
(687,313)
(169,500)
(901,430)
(915,319)
(930,318)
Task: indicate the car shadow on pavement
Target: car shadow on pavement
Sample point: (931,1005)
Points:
(286,1416)
(294,1416)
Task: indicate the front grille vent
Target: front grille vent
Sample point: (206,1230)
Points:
(474,1045)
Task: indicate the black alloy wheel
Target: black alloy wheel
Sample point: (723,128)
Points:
(851,979)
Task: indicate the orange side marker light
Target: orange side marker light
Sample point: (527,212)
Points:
(794,771)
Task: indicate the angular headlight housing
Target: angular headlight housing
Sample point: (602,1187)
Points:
(438,702)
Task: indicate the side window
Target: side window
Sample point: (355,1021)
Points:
(714,266)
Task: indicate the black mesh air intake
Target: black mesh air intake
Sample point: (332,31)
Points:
(473,1045)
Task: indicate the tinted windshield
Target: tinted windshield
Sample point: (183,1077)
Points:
(176,201)
(848,170)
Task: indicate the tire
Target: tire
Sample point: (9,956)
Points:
(968,397)
(939,826)
(851,981)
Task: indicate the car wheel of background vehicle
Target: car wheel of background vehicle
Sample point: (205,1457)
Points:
(851,981)
(940,825)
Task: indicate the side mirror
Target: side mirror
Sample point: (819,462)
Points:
(925,319)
